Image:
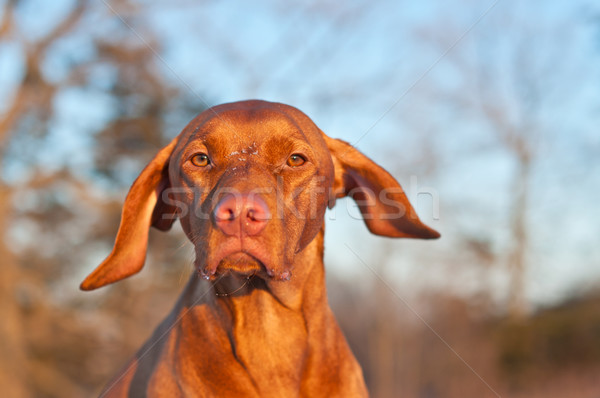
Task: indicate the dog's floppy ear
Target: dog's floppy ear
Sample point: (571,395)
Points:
(143,208)
(381,200)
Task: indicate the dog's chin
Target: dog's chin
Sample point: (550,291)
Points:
(241,264)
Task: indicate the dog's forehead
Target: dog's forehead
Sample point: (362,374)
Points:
(244,127)
(251,123)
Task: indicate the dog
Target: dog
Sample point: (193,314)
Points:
(250,183)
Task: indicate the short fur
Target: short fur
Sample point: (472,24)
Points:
(254,321)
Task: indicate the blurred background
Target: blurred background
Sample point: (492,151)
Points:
(487,112)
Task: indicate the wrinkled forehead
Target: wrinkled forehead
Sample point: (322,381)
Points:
(251,124)
(241,126)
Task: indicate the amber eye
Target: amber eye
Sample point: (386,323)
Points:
(200,160)
(296,160)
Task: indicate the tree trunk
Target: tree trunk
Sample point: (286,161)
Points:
(13,364)
(517,304)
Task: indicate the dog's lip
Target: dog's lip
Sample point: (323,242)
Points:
(236,261)
(210,264)
(242,263)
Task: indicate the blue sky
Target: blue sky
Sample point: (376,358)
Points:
(396,78)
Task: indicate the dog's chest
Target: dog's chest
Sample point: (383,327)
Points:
(271,342)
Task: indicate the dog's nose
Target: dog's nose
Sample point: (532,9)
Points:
(241,214)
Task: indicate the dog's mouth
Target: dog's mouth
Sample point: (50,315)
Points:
(240,263)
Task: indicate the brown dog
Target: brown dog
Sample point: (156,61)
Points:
(250,182)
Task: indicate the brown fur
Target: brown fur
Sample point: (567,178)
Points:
(260,325)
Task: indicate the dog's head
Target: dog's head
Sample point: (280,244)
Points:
(250,182)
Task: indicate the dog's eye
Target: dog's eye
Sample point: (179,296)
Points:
(200,160)
(296,160)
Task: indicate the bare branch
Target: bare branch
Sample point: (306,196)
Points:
(7,18)
(33,89)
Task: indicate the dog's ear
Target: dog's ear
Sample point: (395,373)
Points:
(381,200)
(143,207)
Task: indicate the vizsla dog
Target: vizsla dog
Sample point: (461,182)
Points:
(250,182)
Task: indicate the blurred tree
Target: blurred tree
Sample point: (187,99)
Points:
(506,78)
(32,98)
(108,93)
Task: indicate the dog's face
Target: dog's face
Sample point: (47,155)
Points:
(250,182)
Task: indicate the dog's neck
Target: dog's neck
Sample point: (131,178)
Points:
(230,290)
(248,311)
